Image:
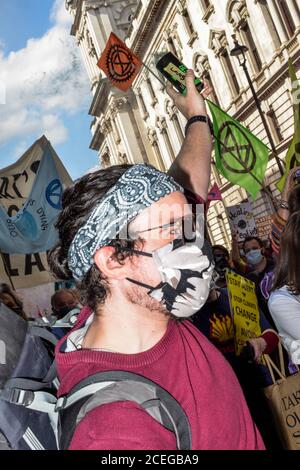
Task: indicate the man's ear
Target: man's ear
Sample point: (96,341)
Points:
(108,264)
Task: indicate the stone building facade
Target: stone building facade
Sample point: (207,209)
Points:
(143,124)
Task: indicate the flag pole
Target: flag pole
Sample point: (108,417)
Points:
(7,270)
(154,74)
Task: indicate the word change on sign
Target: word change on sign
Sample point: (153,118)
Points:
(244,309)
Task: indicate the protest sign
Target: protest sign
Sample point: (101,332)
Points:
(264,226)
(244,309)
(242,219)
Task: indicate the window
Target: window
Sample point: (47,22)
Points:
(252,47)
(178,128)
(274,125)
(152,136)
(188,22)
(270,22)
(163,127)
(208,9)
(206,3)
(202,68)
(226,62)
(142,104)
(218,43)
(172,47)
(213,96)
(287,17)
(152,92)
(238,15)
(172,112)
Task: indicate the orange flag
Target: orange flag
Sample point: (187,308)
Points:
(119,63)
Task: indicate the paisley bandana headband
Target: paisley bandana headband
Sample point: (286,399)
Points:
(138,188)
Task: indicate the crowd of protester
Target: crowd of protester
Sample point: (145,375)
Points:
(121,325)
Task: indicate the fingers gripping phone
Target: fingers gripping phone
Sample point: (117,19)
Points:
(174,71)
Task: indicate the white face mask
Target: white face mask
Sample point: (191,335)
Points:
(186,273)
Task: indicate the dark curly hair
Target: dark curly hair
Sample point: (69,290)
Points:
(78,202)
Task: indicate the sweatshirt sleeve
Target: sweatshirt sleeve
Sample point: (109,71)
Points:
(121,426)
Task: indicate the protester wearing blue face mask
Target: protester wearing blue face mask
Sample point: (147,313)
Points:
(258,265)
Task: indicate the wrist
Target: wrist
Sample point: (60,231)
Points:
(199,118)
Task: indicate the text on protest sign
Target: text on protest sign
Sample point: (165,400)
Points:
(244,308)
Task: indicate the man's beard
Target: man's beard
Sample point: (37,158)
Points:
(138,296)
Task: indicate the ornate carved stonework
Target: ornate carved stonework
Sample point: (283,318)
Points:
(217,41)
(171,109)
(152,136)
(201,63)
(106,127)
(237,13)
(123,12)
(122,158)
(161,123)
(105,158)
(117,104)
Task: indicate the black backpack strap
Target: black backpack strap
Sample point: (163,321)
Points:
(114,386)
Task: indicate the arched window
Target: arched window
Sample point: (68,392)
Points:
(202,69)
(172,112)
(218,43)
(173,41)
(238,15)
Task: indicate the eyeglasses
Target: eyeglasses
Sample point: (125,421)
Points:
(186,228)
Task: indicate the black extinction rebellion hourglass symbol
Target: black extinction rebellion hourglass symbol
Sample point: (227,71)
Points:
(119,63)
(241,147)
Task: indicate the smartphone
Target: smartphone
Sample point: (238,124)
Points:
(174,71)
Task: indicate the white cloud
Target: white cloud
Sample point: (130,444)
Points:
(44,82)
(59,14)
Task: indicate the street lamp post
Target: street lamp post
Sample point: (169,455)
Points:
(239,51)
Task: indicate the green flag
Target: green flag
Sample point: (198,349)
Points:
(292,158)
(240,156)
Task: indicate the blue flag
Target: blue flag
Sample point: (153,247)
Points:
(32,230)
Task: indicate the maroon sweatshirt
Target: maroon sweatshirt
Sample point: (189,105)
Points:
(189,367)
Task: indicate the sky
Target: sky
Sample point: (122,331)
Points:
(44,88)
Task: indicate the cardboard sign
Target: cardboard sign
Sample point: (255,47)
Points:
(241,218)
(244,309)
(264,226)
